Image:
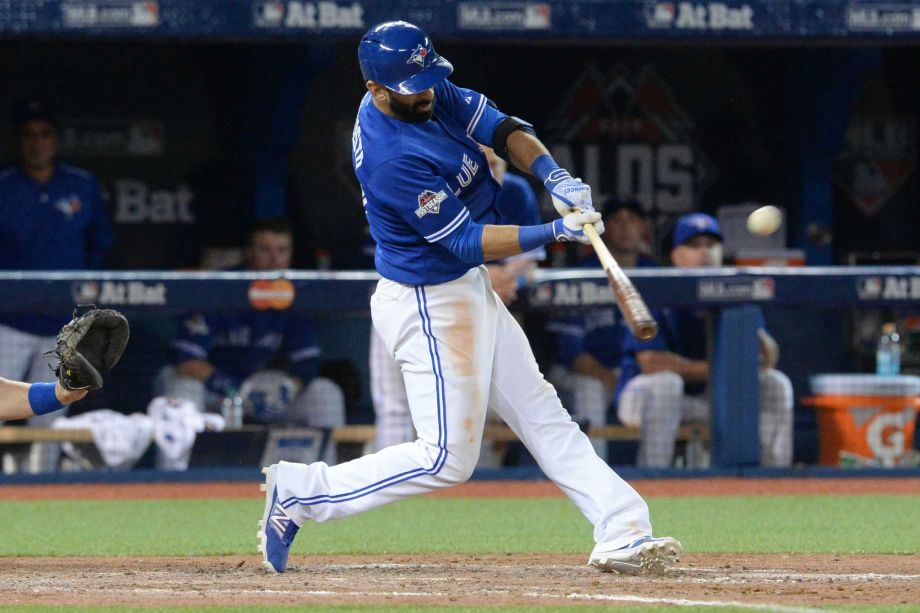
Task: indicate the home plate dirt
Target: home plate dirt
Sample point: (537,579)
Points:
(778,582)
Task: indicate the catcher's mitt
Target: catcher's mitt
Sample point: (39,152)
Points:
(88,346)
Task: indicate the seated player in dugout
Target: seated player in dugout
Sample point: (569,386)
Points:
(590,341)
(663,381)
(271,357)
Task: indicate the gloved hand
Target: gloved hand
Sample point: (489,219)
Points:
(571,227)
(568,194)
(91,344)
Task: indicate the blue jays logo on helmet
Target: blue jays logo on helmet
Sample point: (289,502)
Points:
(418,56)
(399,56)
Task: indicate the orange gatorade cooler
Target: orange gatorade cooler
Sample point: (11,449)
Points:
(865,419)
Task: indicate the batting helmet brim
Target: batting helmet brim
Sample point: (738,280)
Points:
(439,70)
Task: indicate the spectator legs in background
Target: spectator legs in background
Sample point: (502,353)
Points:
(653,403)
(587,400)
(775,419)
(21,359)
(168,383)
(388,393)
(320,405)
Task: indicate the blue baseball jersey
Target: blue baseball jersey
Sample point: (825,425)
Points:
(600,331)
(423,181)
(239,344)
(681,331)
(58,225)
(517,204)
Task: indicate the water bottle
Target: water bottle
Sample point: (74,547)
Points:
(888,353)
(232,409)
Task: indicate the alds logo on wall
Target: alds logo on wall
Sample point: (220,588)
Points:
(877,160)
(625,134)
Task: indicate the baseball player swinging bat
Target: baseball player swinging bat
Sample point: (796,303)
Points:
(636,313)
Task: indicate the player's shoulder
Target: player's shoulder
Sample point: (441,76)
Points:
(72,172)
(10,173)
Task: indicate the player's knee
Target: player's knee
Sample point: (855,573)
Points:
(668,384)
(775,392)
(458,468)
(323,403)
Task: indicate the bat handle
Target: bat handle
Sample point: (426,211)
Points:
(607,261)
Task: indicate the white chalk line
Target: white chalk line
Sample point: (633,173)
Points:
(681,602)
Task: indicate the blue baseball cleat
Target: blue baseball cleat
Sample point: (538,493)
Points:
(646,556)
(276,529)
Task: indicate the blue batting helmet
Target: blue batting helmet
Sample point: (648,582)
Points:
(401,57)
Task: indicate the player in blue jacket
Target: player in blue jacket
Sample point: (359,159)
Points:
(432,209)
(663,381)
(53,219)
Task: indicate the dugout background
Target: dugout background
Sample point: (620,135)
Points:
(237,131)
(192,141)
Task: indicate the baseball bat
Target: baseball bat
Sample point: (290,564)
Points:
(638,317)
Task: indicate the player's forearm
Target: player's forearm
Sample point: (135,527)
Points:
(14,400)
(587,364)
(23,400)
(523,149)
(504,241)
(499,242)
(691,371)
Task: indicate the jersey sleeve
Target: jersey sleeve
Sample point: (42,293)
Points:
(301,344)
(422,199)
(194,340)
(470,109)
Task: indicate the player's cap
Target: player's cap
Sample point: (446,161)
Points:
(32,109)
(615,204)
(401,57)
(694,224)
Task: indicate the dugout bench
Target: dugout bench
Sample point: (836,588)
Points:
(350,439)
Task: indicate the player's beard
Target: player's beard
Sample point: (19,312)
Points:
(410,112)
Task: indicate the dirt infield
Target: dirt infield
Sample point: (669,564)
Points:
(496,489)
(777,582)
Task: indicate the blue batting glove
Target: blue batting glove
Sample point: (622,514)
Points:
(571,227)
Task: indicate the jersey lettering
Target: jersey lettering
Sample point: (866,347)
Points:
(468,170)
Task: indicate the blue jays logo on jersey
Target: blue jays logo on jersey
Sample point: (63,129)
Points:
(418,56)
(69,206)
(429,202)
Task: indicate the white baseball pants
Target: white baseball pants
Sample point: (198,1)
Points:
(460,350)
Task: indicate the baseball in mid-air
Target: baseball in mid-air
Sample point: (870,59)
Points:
(765,220)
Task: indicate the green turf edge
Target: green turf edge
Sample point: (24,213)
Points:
(776,524)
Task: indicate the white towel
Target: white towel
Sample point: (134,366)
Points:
(121,439)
